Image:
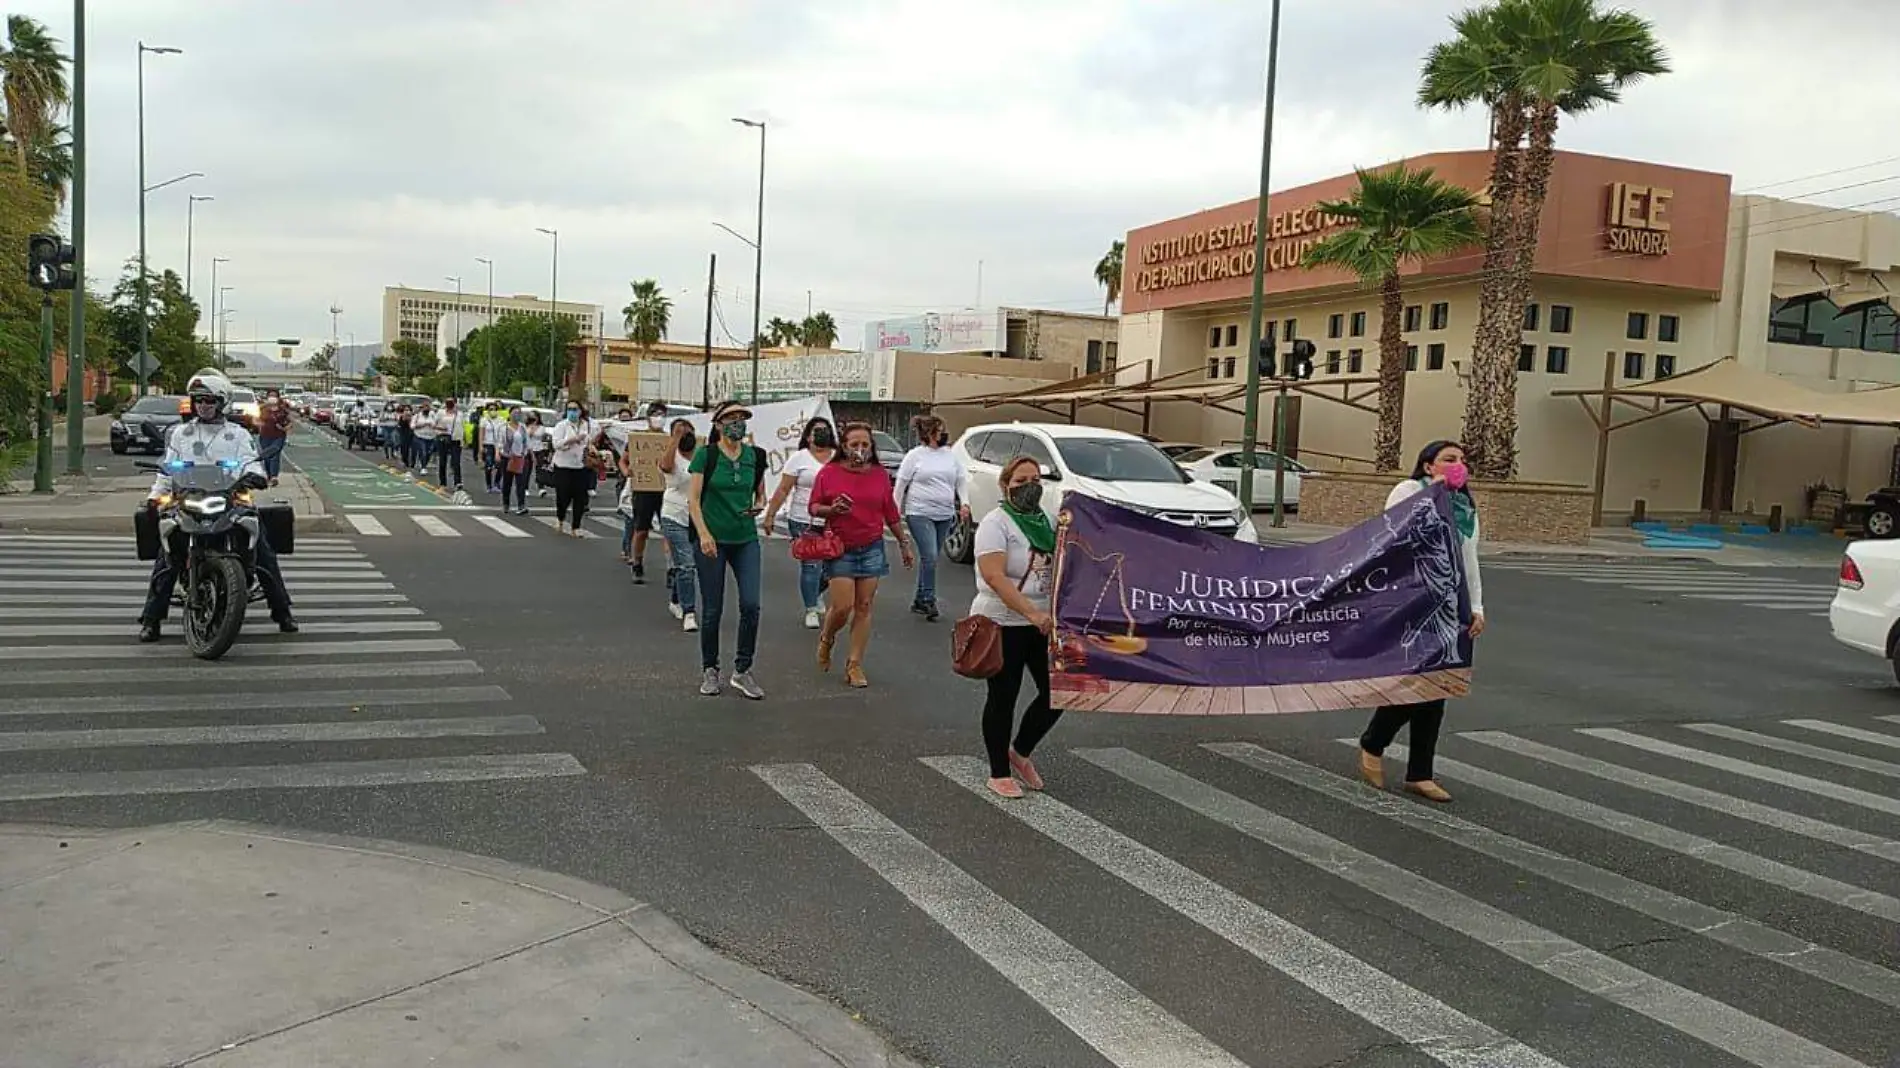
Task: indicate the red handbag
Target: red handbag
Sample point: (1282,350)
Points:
(817,545)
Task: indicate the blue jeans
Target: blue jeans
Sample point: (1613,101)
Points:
(681,570)
(744,559)
(448,458)
(811,573)
(270,452)
(626,534)
(425,448)
(158,595)
(929,535)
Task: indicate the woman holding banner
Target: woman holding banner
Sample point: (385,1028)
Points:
(817,446)
(853,496)
(1441,461)
(1015,545)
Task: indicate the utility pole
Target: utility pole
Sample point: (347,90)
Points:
(488,335)
(705,377)
(554,311)
(76,326)
(1248,434)
(758,257)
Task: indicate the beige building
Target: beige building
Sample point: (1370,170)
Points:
(1643,272)
(423,314)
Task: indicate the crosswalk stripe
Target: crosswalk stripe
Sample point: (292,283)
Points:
(1726,804)
(435,526)
(366,669)
(1789,597)
(1762,773)
(1126,1028)
(356,699)
(367,525)
(554,524)
(39,786)
(117,611)
(242,650)
(339,570)
(125,539)
(1843,731)
(1800,749)
(131,583)
(1739,932)
(126,553)
(89,630)
(1421,1021)
(278,733)
(501,526)
(1696,1015)
(134,599)
(601,520)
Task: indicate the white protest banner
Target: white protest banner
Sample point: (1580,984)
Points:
(775,427)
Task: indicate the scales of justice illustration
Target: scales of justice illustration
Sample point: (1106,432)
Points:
(1072,647)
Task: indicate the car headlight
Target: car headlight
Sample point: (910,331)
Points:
(206,505)
(1240,514)
(118,426)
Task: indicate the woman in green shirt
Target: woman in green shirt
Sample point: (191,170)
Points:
(728,490)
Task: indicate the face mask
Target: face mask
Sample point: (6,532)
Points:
(573,415)
(823,438)
(687,443)
(1026,497)
(653,422)
(1456,475)
(859,453)
(734,431)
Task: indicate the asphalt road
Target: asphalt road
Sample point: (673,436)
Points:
(1136,915)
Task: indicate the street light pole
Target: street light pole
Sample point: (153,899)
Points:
(223,355)
(488,339)
(455,378)
(1248,435)
(191,204)
(554,310)
(758,256)
(211,328)
(145,307)
(76,327)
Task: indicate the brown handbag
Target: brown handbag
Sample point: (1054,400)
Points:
(976,643)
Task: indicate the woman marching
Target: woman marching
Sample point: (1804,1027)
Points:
(930,495)
(853,495)
(817,446)
(573,441)
(1015,547)
(676,525)
(1441,461)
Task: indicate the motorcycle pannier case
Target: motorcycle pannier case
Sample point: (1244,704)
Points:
(279,525)
(145,532)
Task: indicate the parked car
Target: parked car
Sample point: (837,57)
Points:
(1174,449)
(1221,466)
(890,455)
(1883,513)
(1110,465)
(144,425)
(1865,614)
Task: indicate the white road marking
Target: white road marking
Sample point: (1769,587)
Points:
(195,672)
(1126,1028)
(34,786)
(501,526)
(259,701)
(135,599)
(435,526)
(130,583)
(242,650)
(88,630)
(1758,772)
(260,733)
(549,522)
(126,539)
(1423,1022)
(135,569)
(1800,749)
(367,525)
(1698,1016)
(1891,741)
(116,612)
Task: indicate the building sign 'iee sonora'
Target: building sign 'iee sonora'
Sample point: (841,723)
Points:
(1638,219)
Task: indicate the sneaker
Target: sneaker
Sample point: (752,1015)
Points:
(678,612)
(709,685)
(742,682)
(813,620)
(639,574)
(689,623)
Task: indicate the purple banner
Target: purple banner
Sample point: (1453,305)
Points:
(1158,618)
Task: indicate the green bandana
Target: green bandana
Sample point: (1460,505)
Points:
(1464,511)
(1035,526)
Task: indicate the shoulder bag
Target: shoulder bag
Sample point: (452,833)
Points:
(976,641)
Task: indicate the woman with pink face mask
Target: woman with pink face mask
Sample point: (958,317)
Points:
(1441,461)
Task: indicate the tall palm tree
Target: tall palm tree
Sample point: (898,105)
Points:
(1399,216)
(1108,274)
(780,332)
(32,83)
(1529,62)
(818,331)
(50,162)
(648,314)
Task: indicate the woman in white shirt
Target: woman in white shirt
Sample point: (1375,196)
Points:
(676,525)
(573,438)
(1015,545)
(514,456)
(817,446)
(930,496)
(1441,461)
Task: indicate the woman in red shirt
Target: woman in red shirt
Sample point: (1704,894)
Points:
(854,499)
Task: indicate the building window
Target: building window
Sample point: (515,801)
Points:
(1233,336)
(1441,315)
(1288,330)
(1639,326)
(1556,357)
(1411,357)
(1213,338)
(1667,327)
(1355,361)
(621,358)
(1332,361)
(1273,330)
(1213,367)
(1560,318)
(1227,367)
(1435,356)
(1412,317)
(1632,365)
(1358,327)
(1335,325)
(1530,316)
(1665,365)
(1527,357)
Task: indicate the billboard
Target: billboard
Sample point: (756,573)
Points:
(964,331)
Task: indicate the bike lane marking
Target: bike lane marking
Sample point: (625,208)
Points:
(347,480)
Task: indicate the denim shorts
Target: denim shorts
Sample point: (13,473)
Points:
(868,562)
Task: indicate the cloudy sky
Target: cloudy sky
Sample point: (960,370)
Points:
(354,144)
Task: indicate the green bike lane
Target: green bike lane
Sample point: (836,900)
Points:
(349,480)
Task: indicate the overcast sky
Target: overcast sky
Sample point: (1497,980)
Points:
(354,144)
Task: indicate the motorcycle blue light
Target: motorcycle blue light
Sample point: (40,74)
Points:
(177,465)
(230,465)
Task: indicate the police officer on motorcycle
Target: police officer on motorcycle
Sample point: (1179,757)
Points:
(209,438)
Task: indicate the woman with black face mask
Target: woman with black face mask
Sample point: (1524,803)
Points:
(1015,545)
(676,525)
(817,446)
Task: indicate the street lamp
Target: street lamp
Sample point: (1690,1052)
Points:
(145,309)
(554,300)
(211,330)
(758,254)
(454,377)
(222,332)
(488,339)
(1248,435)
(191,202)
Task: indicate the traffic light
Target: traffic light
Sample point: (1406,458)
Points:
(1268,359)
(49,263)
(1300,361)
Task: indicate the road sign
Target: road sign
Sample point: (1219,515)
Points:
(144,365)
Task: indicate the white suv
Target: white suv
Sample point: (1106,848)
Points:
(1110,465)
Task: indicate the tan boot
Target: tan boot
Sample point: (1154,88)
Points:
(1428,790)
(854,675)
(1372,769)
(825,642)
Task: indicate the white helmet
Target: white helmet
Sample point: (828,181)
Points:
(209,385)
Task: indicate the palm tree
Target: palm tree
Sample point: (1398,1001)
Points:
(1529,62)
(50,162)
(648,314)
(32,83)
(1108,274)
(1400,216)
(779,333)
(818,331)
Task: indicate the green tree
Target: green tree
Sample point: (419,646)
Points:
(818,331)
(648,314)
(517,347)
(778,333)
(32,84)
(1108,274)
(1530,62)
(1399,216)
(405,360)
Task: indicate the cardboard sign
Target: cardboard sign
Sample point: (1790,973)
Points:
(644,451)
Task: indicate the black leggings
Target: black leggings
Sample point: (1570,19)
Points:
(1023,647)
(570,490)
(1425,717)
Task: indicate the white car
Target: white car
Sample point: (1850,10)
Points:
(1221,466)
(1865,614)
(1109,465)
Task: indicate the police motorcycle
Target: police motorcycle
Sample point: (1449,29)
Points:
(209,525)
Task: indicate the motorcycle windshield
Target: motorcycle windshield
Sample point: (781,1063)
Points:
(188,477)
